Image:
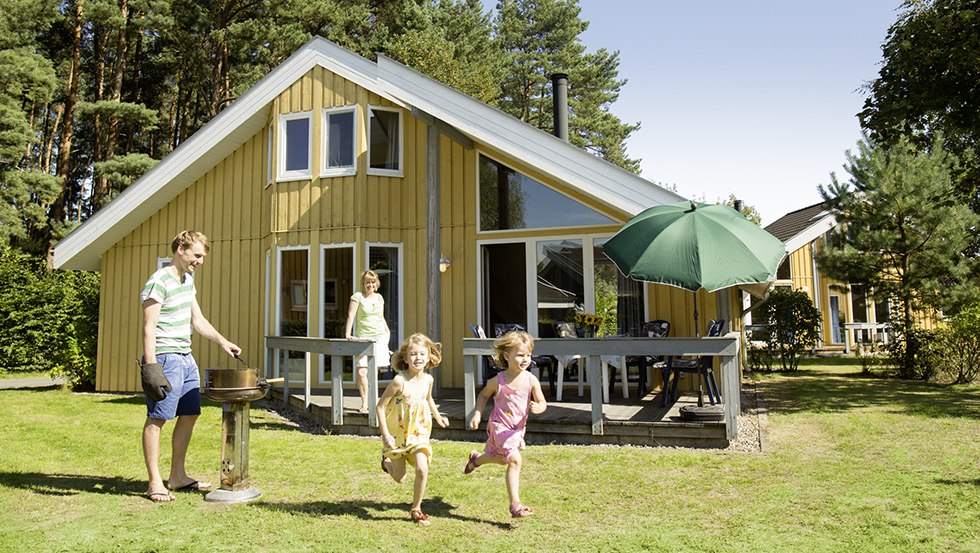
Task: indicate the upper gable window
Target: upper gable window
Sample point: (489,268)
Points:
(339,140)
(295,146)
(511,200)
(385,141)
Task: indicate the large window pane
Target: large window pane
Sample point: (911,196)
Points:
(340,139)
(385,138)
(560,282)
(293,308)
(511,200)
(338,284)
(859,304)
(383,260)
(297,145)
(618,299)
(504,285)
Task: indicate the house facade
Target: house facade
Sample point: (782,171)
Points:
(850,315)
(332,164)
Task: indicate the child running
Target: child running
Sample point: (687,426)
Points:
(405,413)
(514,391)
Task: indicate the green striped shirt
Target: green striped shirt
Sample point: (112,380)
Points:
(173,331)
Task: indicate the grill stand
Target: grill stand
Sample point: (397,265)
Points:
(235,487)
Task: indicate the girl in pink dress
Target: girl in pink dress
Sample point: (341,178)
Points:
(515,391)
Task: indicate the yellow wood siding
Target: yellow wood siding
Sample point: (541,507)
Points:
(247,219)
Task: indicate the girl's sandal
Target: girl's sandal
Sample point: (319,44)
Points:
(383,466)
(471,464)
(520,510)
(419,517)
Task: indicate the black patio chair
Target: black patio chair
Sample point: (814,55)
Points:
(703,366)
(658,328)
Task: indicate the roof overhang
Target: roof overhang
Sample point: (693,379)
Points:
(822,224)
(606,183)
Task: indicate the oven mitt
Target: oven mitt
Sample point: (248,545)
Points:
(155,384)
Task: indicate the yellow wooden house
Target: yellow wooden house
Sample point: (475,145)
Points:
(851,316)
(333,163)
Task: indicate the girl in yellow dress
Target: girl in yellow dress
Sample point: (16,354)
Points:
(405,413)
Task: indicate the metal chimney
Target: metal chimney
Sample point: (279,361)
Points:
(559,96)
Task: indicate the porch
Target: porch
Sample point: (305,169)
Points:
(578,419)
(633,421)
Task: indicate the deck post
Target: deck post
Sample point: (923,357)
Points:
(594,368)
(306,381)
(337,388)
(469,387)
(731,392)
(372,391)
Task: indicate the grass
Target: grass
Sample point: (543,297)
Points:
(855,463)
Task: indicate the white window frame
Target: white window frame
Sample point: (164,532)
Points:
(401,279)
(303,174)
(324,363)
(164,261)
(325,170)
(530,261)
(401,144)
(277,319)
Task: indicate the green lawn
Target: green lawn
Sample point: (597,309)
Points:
(855,463)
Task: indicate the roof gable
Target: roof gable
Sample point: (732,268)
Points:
(797,228)
(596,178)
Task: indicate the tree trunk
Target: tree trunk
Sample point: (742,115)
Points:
(58,211)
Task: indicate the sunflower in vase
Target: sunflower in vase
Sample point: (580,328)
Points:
(588,321)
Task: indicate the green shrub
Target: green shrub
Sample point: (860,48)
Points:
(792,324)
(954,350)
(48,320)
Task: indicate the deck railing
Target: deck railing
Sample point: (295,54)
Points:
(592,350)
(336,349)
(589,349)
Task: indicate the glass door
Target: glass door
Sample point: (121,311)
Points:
(338,283)
(504,298)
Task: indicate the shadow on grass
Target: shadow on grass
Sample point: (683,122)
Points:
(825,392)
(435,507)
(71,484)
(966,481)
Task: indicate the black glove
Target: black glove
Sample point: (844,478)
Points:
(155,384)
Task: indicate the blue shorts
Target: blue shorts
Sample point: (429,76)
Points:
(185,381)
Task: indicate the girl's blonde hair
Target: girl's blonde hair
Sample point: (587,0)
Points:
(508,342)
(400,359)
(369,275)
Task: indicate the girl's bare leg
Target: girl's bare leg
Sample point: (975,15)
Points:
(362,387)
(513,477)
(421,479)
(396,469)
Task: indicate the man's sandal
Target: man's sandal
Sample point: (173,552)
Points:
(471,464)
(419,517)
(520,510)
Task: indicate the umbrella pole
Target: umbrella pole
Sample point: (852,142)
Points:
(697,329)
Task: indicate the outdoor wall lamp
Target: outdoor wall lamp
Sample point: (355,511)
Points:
(444,263)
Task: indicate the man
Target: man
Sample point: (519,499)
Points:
(170,312)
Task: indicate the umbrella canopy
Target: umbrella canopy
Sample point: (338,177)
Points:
(693,246)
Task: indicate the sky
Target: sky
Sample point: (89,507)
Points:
(756,98)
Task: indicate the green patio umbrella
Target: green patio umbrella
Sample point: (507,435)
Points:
(692,246)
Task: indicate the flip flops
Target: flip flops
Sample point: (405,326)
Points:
(471,464)
(419,517)
(194,485)
(161,497)
(520,510)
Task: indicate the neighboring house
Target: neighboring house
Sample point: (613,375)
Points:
(850,315)
(333,163)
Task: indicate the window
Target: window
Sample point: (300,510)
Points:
(511,200)
(384,142)
(339,141)
(784,272)
(295,142)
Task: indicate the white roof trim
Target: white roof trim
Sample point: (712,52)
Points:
(811,233)
(597,178)
(248,115)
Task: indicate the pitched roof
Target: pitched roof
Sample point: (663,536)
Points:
(594,177)
(802,226)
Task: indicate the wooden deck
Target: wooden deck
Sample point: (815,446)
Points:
(635,421)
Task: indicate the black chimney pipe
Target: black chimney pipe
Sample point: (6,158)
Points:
(559,96)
